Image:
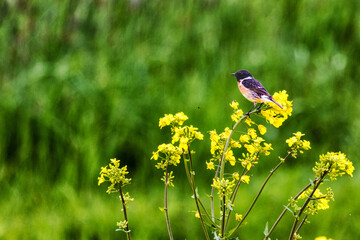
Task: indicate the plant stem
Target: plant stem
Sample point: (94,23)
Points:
(189,179)
(222,163)
(192,178)
(301,224)
(234,195)
(317,184)
(223,218)
(125,214)
(258,195)
(166,205)
(285,209)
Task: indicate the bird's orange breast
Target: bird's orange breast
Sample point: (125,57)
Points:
(247,93)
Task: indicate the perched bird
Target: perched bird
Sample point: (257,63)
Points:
(252,89)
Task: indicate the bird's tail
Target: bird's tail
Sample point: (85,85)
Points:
(276,103)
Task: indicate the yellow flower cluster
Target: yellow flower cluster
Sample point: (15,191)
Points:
(169,119)
(182,134)
(275,115)
(218,142)
(224,186)
(127,198)
(167,154)
(170,178)
(319,201)
(254,146)
(114,174)
(122,224)
(243,178)
(297,144)
(238,113)
(334,165)
(185,135)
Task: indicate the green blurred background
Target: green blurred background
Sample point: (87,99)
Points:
(84,81)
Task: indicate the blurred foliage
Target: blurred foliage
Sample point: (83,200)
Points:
(85,81)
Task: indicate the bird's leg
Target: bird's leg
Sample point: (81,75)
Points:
(259,106)
(248,113)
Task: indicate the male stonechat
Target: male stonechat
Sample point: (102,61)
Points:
(252,89)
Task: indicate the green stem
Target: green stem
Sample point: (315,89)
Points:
(285,210)
(125,213)
(258,195)
(223,217)
(234,194)
(301,224)
(192,178)
(222,163)
(166,205)
(190,183)
(317,184)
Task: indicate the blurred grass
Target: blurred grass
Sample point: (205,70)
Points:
(84,81)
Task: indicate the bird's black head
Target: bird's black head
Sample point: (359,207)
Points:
(241,75)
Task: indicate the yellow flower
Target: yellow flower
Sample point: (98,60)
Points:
(334,165)
(197,215)
(184,143)
(238,217)
(210,166)
(101,180)
(122,224)
(237,115)
(245,179)
(155,155)
(318,201)
(185,135)
(227,132)
(166,120)
(234,105)
(298,135)
(235,144)
(127,198)
(170,177)
(297,144)
(224,186)
(180,118)
(267,147)
(167,154)
(275,115)
(306,145)
(229,155)
(262,129)
(236,176)
(244,138)
(115,162)
(250,148)
(248,121)
(291,141)
(114,174)
(177,119)
(252,133)
(198,135)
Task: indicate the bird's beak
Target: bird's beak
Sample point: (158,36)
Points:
(233,74)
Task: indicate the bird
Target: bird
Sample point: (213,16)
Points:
(252,89)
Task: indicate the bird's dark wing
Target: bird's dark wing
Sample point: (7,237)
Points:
(255,86)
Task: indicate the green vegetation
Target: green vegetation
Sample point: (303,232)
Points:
(85,81)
